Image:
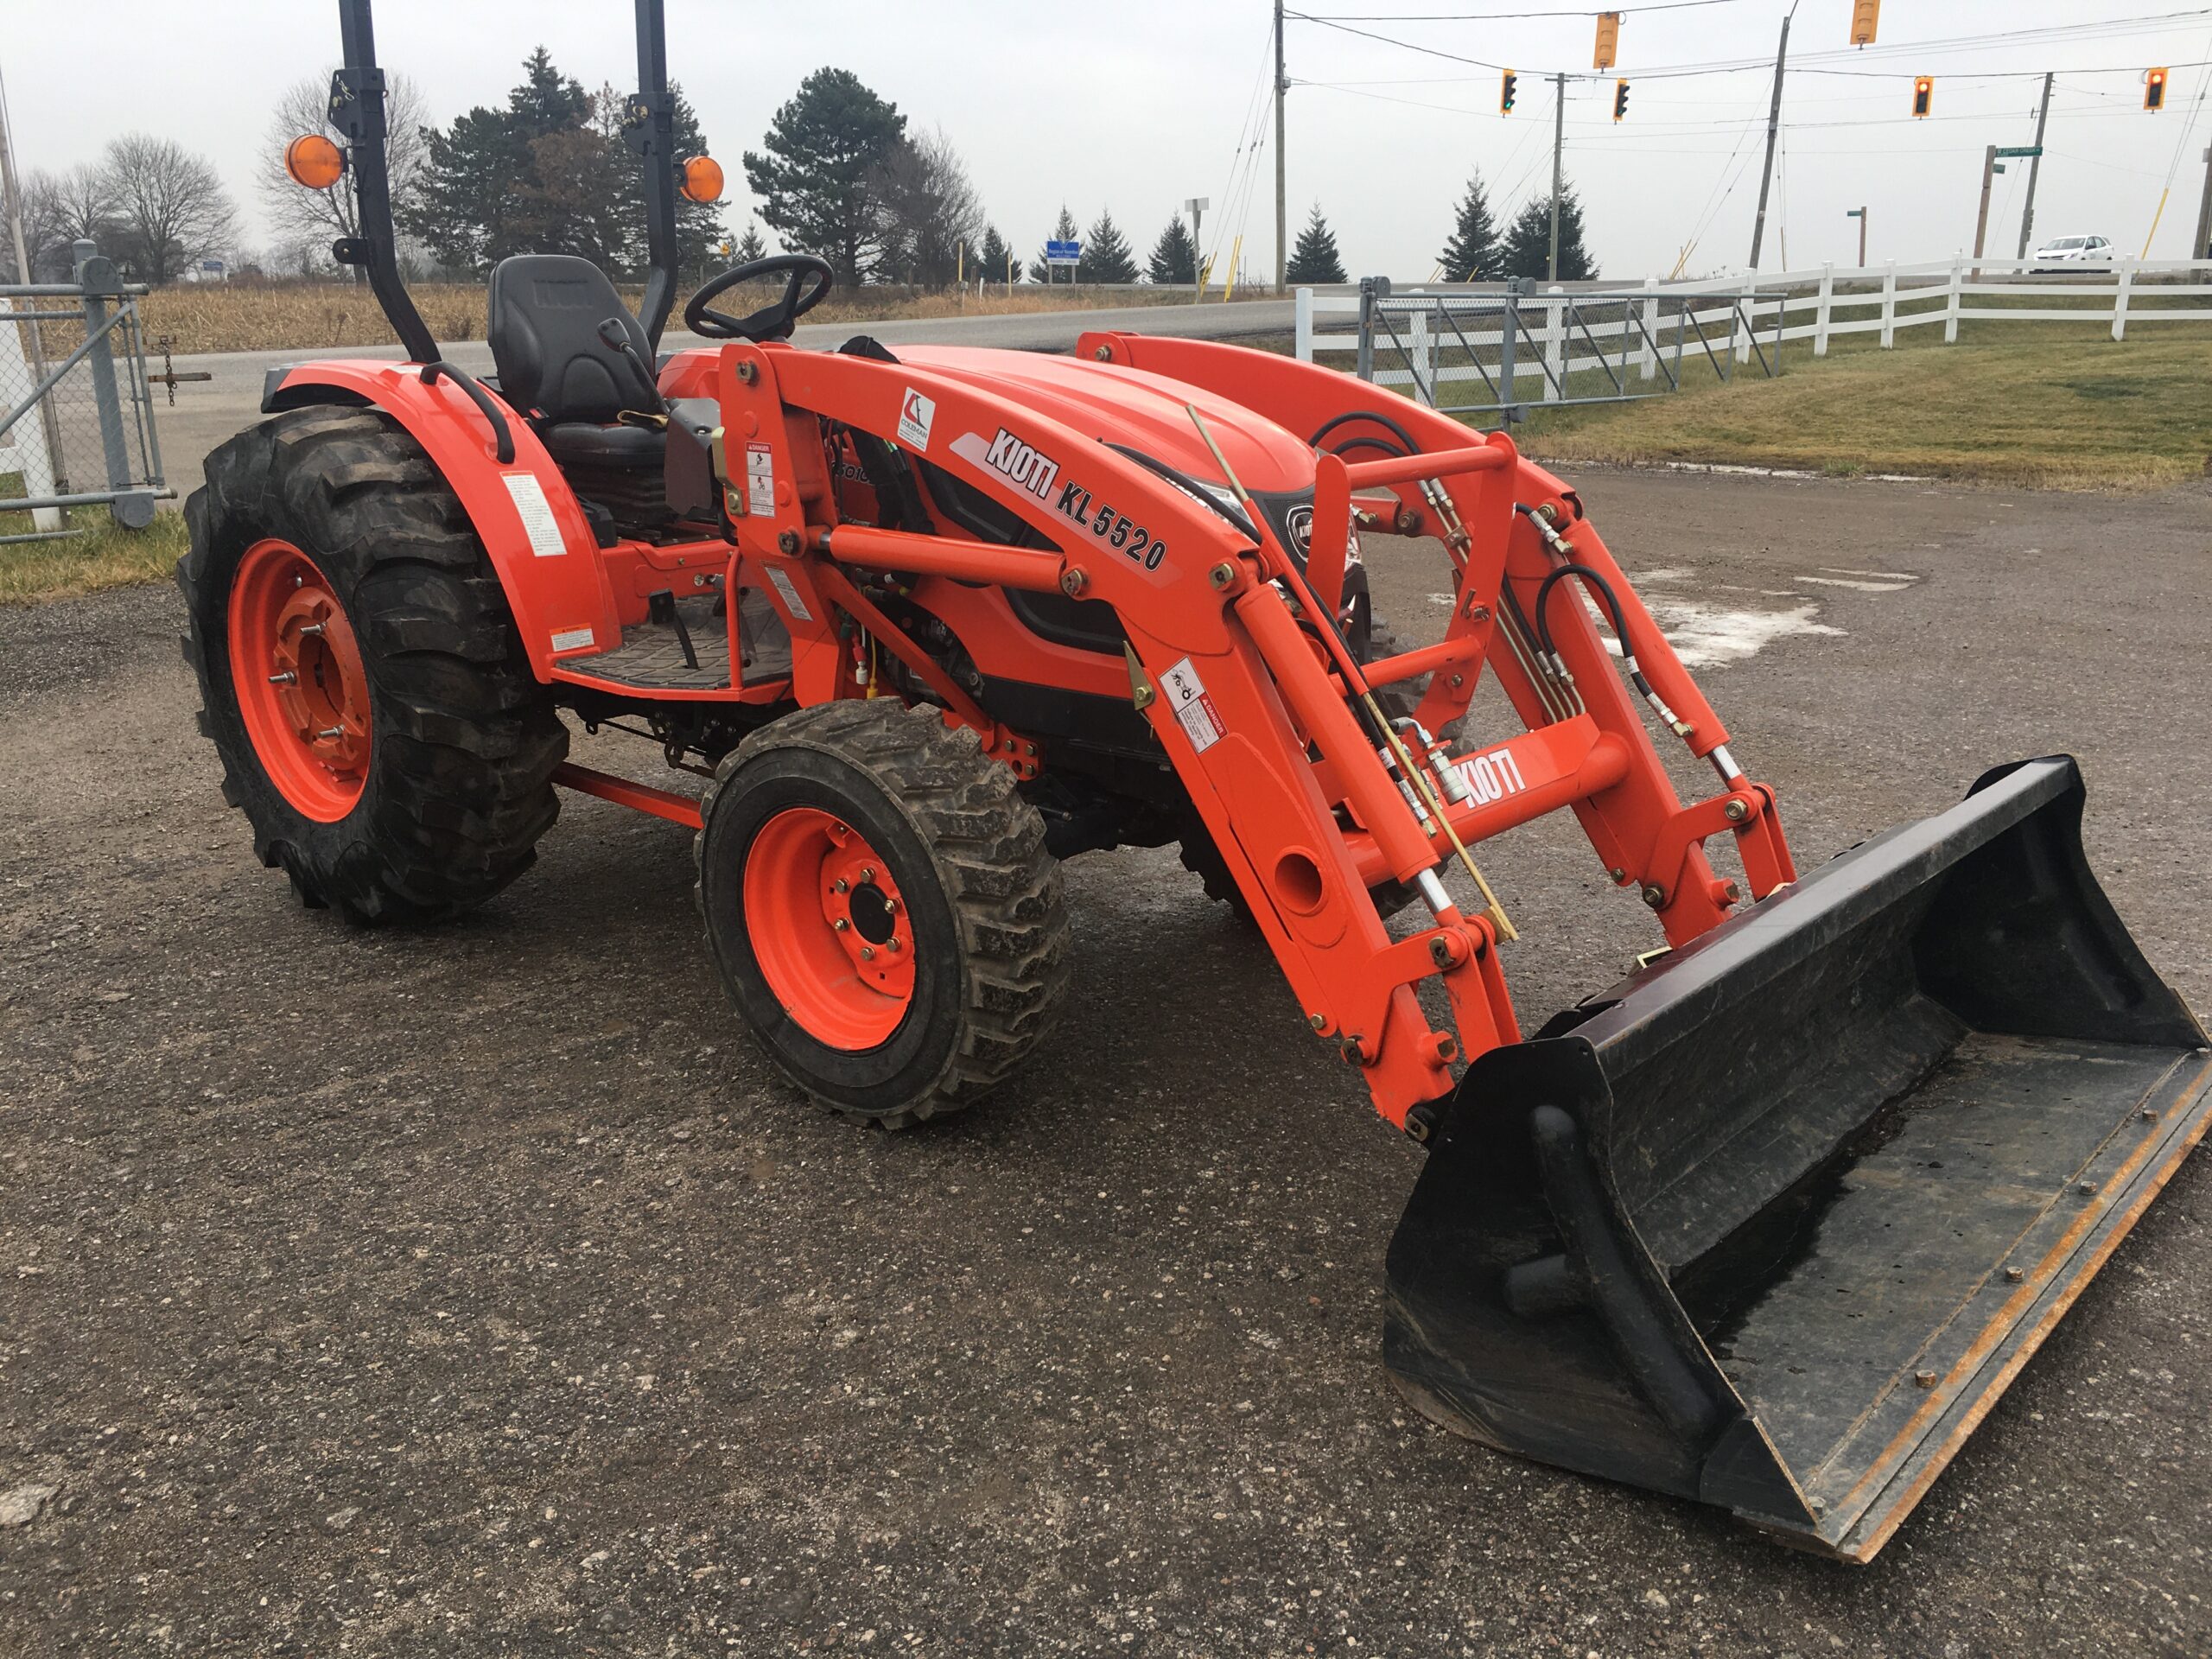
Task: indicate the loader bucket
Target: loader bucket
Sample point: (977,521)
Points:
(1773,1224)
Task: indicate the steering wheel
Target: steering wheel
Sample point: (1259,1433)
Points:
(771,321)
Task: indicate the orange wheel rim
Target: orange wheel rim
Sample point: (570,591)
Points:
(829,928)
(302,691)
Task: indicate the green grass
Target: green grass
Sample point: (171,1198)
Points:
(2036,404)
(105,555)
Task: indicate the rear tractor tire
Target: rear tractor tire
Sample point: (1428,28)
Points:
(881,906)
(359,672)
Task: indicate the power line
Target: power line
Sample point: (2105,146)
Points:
(1497,17)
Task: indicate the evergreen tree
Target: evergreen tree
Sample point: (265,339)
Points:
(550,172)
(1106,256)
(993,257)
(1528,243)
(475,207)
(1314,257)
(1175,256)
(814,171)
(1473,253)
(750,247)
(1064,230)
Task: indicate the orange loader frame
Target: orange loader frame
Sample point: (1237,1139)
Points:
(1256,707)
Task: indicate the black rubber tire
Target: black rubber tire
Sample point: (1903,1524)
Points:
(464,740)
(990,926)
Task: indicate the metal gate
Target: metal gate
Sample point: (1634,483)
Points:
(1467,350)
(76,410)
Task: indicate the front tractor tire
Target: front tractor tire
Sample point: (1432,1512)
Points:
(881,906)
(359,672)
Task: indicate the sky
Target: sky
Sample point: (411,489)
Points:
(1134,106)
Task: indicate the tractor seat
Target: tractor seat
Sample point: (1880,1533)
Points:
(544,327)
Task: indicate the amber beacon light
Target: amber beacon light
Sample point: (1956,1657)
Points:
(312,161)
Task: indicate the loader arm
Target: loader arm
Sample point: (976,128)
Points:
(1257,710)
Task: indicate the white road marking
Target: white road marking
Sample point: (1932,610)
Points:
(1881,575)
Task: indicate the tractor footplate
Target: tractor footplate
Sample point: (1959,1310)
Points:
(651,653)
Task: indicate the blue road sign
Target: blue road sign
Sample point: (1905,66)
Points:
(1063,253)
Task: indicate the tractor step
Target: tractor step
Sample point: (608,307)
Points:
(651,655)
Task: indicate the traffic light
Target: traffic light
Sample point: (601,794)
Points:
(1864,14)
(2154,91)
(1505,93)
(1620,99)
(1609,40)
(1924,94)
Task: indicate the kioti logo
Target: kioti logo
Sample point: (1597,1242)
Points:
(1032,471)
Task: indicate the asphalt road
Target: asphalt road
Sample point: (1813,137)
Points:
(208,411)
(480,1290)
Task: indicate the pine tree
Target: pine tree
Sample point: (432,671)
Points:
(1528,244)
(814,170)
(992,257)
(750,246)
(480,178)
(1473,254)
(1064,230)
(1106,256)
(1314,259)
(1175,256)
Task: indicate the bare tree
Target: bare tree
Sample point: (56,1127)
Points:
(304,223)
(61,209)
(927,210)
(169,206)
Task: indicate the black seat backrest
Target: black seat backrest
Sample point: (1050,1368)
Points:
(543,329)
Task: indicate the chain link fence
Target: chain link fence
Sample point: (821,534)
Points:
(76,409)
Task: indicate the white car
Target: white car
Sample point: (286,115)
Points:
(2073,251)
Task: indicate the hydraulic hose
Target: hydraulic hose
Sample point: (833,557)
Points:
(1620,631)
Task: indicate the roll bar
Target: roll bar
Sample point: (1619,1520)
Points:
(356,110)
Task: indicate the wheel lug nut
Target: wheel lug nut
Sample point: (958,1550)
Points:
(841,923)
(868,874)
(286,678)
(868,953)
(892,943)
(840,885)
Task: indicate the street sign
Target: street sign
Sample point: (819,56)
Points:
(1063,253)
(2024,151)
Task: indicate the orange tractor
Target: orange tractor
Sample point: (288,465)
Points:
(1769,1225)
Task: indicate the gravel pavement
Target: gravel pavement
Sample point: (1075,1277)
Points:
(480,1291)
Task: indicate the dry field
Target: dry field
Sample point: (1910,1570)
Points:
(320,316)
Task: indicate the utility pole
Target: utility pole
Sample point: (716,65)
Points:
(1559,144)
(1773,132)
(2201,248)
(2035,166)
(1981,224)
(1860,213)
(1282,209)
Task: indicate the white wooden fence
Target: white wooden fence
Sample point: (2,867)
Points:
(1601,341)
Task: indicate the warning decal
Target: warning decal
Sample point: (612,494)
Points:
(789,589)
(760,480)
(573,638)
(537,514)
(1187,694)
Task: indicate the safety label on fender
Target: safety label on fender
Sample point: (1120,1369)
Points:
(1187,694)
(537,514)
(573,638)
(760,480)
(789,589)
(916,414)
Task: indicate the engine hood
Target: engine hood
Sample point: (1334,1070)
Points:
(1145,411)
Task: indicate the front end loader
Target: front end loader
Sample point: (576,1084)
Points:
(1769,1226)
